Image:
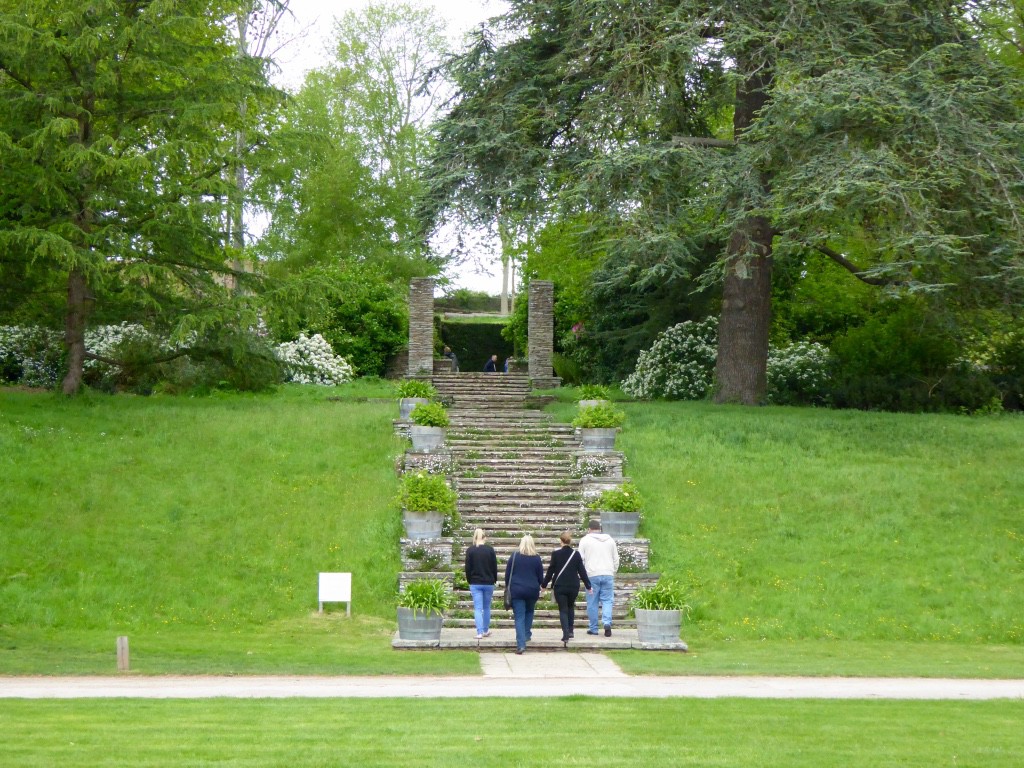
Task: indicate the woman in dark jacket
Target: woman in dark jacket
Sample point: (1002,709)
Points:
(481,573)
(523,574)
(564,574)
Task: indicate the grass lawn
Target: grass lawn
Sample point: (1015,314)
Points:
(197,527)
(619,732)
(810,541)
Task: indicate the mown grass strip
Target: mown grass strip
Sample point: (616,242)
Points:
(620,732)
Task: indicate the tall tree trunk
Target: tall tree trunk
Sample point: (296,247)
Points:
(741,369)
(505,236)
(79,301)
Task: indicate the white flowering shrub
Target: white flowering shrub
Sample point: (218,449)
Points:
(799,374)
(30,356)
(310,360)
(592,465)
(680,365)
(108,340)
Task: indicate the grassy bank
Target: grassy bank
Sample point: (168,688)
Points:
(621,732)
(197,527)
(810,541)
(802,529)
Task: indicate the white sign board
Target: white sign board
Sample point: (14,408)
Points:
(336,588)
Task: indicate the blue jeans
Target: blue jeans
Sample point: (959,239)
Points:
(523,611)
(603,595)
(482,596)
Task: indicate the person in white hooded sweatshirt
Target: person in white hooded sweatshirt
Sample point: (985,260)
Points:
(601,559)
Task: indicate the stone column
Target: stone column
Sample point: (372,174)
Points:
(541,331)
(421,326)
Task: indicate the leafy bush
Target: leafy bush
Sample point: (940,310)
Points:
(465,300)
(424,492)
(224,357)
(679,365)
(311,360)
(426,595)
(800,374)
(625,498)
(416,388)
(134,348)
(473,342)
(429,415)
(31,355)
(663,596)
(592,392)
(599,417)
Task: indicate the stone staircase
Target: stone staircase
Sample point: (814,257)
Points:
(512,474)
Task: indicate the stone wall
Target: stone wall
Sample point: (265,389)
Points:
(421,326)
(541,330)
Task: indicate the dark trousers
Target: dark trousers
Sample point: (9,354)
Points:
(566,599)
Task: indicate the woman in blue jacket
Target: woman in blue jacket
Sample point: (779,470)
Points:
(524,573)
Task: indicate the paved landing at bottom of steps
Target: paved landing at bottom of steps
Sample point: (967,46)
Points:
(549,665)
(544,639)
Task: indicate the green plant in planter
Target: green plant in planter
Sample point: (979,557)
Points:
(598,417)
(429,415)
(423,492)
(666,595)
(592,392)
(625,498)
(426,595)
(416,388)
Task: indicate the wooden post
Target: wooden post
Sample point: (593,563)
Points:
(123,664)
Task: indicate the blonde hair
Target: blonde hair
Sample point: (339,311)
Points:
(566,538)
(479,537)
(526,546)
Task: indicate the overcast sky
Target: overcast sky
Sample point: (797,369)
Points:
(310,32)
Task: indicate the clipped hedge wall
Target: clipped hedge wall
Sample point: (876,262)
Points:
(473,343)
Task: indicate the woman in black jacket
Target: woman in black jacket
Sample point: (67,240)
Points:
(481,573)
(523,574)
(564,574)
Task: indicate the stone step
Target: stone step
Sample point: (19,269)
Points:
(580,626)
(518,485)
(539,510)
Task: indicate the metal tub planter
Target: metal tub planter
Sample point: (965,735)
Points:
(658,627)
(421,610)
(422,525)
(420,626)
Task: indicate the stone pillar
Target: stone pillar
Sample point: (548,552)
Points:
(421,326)
(541,331)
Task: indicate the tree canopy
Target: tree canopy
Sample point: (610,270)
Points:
(879,134)
(115,122)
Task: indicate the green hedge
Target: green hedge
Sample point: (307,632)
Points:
(473,343)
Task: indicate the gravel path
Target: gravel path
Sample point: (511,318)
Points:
(540,675)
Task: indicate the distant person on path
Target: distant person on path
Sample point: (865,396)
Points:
(601,559)
(482,574)
(564,575)
(491,366)
(451,356)
(508,363)
(523,573)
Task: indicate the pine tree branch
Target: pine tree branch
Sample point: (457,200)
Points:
(857,272)
(702,141)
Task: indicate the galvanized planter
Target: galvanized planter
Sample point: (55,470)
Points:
(422,525)
(426,439)
(598,439)
(592,403)
(406,404)
(619,525)
(419,625)
(658,627)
